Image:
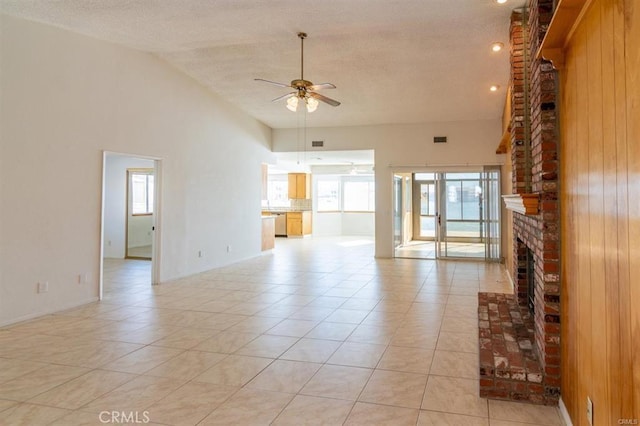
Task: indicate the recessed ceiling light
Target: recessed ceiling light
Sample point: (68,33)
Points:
(497,46)
(494,88)
(500,1)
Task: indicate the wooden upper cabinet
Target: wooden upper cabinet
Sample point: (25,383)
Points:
(299,186)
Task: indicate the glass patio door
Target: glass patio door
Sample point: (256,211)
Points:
(397,211)
(491,209)
(425,204)
(461,216)
(469,215)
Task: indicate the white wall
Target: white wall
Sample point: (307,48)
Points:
(358,224)
(400,148)
(327,224)
(65,99)
(115,202)
(330,224)
(140,230)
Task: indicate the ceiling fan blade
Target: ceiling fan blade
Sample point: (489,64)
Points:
(321,86)
(279,98)
(272,82)
(324,99)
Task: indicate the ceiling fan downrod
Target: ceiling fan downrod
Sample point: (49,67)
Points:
(302,37)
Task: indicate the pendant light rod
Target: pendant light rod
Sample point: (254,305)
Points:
(302,37)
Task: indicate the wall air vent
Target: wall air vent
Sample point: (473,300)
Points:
(439,139)
(317,143)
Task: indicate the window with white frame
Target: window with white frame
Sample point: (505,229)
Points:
(345,193)
(278,190)
(328,194)
(141,184)
(359,194)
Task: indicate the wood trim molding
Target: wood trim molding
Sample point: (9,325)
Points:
(566,18)
(505,142)
(555,55)
(522,203)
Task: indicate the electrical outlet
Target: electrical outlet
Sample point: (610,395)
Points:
(590,411)
(43,287)
(83,278)
(228,249)
(109,243)
(200,253)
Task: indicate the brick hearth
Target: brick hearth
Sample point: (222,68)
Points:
(509,367)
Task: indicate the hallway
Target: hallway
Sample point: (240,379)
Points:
(316,332)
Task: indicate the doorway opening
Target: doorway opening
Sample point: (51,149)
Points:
(130,249)
(139,219)
(448,214)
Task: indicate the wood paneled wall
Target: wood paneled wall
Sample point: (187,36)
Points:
(600,179)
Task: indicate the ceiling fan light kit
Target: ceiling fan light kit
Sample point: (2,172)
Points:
(303,89)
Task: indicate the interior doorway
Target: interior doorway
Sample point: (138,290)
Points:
(453,215)
(139,219)
(130,222)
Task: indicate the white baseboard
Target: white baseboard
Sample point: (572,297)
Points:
(564,413)
(48,312)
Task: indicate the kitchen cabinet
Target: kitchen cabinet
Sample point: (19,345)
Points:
(298,224)
(299,186)
(268,232)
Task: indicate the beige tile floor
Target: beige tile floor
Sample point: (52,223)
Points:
(316,332)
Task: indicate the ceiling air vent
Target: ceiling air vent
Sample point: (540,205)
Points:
(439,139)
(317,144)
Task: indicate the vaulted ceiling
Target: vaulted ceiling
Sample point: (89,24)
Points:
(393,61)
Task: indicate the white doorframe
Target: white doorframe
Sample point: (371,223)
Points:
(157,229)
(157,215)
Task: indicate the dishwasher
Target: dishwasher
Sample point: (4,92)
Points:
(281,224)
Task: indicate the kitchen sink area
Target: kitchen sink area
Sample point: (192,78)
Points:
(292,222)
(286,206)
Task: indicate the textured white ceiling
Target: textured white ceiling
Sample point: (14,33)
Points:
(393,61)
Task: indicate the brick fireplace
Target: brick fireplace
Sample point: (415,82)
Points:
(530,369)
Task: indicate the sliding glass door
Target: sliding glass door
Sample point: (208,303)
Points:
(425,206)
(491,209)
(451,215)
(468,216)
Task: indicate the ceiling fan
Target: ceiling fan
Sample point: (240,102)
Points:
(304,90)
(360,169)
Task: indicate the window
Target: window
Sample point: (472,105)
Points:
(141,192)
(328,194)
(359,195)
(278,190)
(463,199)
(335,193)
(428,199)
